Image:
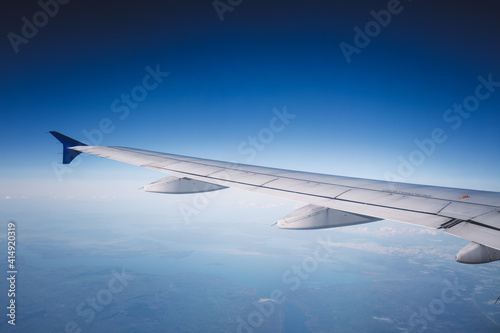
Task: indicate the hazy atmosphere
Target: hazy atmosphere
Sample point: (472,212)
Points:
(406,91)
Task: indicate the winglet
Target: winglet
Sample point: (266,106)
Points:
(68,153)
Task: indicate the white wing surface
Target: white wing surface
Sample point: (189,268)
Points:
(333,201)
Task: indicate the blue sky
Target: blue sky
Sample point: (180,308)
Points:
(259,82)
(357,118)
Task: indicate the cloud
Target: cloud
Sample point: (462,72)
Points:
(262,300)
(239,252)
(275,205)
(10,197)
(391,231)
(400,251)
(383,319)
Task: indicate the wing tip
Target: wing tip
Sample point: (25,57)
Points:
(67,142)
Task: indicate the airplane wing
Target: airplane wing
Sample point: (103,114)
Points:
(333,201)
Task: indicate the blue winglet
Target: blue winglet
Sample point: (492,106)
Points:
(68,154)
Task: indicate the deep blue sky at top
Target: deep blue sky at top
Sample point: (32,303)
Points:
(226,77)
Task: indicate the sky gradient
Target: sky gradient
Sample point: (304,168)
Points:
(415,99)
(174,77)
(225,78)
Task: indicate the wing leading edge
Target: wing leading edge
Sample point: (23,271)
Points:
(333,200)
